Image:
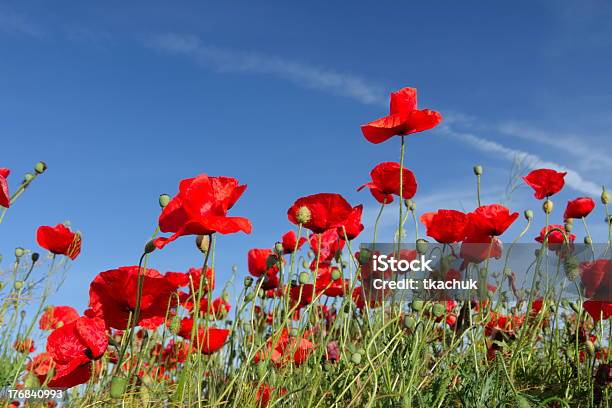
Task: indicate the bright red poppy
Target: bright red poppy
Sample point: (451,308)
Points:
(59,240)
(112,297)
(57,316)
(73,347)
(208,339)
(446,226)
(193,277)
(262,261)
(320,212)
(386,182)
(489,221)
(556,235)
(352,226)
(598,309)
(579,208)
(290,242)
(327,285)
(404,118)
(329,244)
(545,182)
(200,208)
(5,197)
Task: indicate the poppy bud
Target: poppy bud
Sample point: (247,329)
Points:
(574,307)
(118,387)
(304,278)
(19,252)
(438,310)
(304,264)
(35,257)
(203,243)
(336,274)
(303,215)
(421,246)
(569,225)
(605,197)
(149,247)
(364,256)
(417,305)
(18,285)
(249,297)
(278,248)
(40,167)
(528,215)
(28,177)
(164,199)
(588,240)
(410,204)
(248,281)
(478,170)
(409,322)
(356,358)
(548,206)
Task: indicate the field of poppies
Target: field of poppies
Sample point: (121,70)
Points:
(308,328)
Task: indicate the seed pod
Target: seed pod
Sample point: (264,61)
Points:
(40,167)
(203,243)
(248,281)
(417,305)
(438,310)
(278,248)
(588,240)
(605,197)
(303,215)
(336,274)
(19,252)
(478,170)
(164,199)
(548,206)
(421,246)
(35,257)
(149,247)
(409,322)
(304,278)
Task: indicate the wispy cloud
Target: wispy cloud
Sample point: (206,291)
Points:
(16,24)
(224,60)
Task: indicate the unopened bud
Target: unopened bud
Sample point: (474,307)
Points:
(588,240)
(19,252)
(304,278)
(605,197)
(164,199)
(569,225)
(278,248)
(336,274)
(411,205)
(40,167)
(35,257)
(203,243)
(478,170)
(356,358)
(18,285)
(417,305)
(409,322)
(28,177)
(303,215)
(248,281)
(548,206)
(421,246)
(438,310)
(528,215)
(149,247)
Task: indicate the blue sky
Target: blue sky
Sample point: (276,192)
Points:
(123,101)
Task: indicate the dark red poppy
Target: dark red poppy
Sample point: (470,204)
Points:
(59,240)
(489,221)
(404,118)
(579,208)
(329,244)
(200,208)
(556,235)
(73,347)
(598,309)
(112,296)
(290,242)
(57,316)
(5,197)
(596,277)
(320,212)
(302,295)
(352,226)
(208,339)
(446,226)
(262,261)
(327,285)
(545,182)
(386,182)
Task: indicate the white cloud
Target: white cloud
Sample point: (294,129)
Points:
(224,60)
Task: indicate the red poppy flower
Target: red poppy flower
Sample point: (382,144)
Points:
(217,309)
(352,226)
(502,323)
(73,347)
(264,393)
(404,118)
(112,296)
(480,249)
(326,284)
(290,242)
(556,237)
(329,243)
(5,197)
(262,261)
(445,226)
(200,208)
(320,212)
(545,182)
(287,349)
(386,182)
(598,309)
(193,277)
(596,277)
(59,240)
(208,339)
(579,208)
(57,316)
(489,221)
(40,365)
(301,295)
